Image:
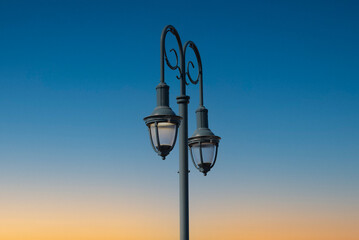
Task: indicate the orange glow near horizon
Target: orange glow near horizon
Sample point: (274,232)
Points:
(99,218)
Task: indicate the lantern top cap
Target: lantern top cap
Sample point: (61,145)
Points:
(162,118)
(203,139)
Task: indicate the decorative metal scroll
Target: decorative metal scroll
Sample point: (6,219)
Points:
(181,57)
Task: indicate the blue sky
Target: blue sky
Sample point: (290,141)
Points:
(280,82)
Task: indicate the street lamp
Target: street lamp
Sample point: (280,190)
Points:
(203,143)
(163,124)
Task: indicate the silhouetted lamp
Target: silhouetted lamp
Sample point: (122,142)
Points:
(203,144)
(163,123)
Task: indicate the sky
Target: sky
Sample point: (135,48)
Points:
(281,84)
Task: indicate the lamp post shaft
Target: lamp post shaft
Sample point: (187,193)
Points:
(183,101)
(183,167)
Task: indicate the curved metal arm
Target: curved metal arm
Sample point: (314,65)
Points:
(200,73)
(179,64)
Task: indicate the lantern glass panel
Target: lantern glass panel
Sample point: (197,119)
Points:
(208,154)
(166,132)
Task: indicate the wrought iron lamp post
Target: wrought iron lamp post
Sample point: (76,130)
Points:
(163,124)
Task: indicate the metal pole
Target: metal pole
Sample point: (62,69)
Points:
(182,101)
(183,168)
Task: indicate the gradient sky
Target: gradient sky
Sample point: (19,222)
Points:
(281,83)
